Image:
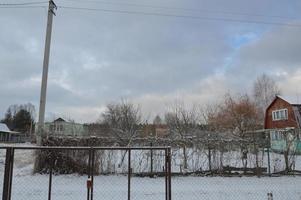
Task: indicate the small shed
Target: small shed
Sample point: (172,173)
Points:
(7,135)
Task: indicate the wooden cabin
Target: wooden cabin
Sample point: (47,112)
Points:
(283,120)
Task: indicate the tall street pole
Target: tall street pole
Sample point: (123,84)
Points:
(51,12)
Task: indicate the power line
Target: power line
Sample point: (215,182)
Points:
(18,7)
(184,9)
(23,4)
(181,16)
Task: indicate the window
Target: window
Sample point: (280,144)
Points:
(273,135)
(280,136)
(61,128)
(280,114)
(277,135)
(51,128)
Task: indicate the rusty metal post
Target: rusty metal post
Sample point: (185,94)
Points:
(7,182)
(6,179)
(169,173)
(89,175)
(269,161)
(50,175)
(166,174)
(129,174)
(92,171)
(11,172)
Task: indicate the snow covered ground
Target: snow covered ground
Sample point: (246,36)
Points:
(35,187)
(183,188)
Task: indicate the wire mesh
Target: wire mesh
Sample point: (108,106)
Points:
(110,175)
(2,165)
(25,183)
(148,175)
(63,174)
(70,172)
(235,188)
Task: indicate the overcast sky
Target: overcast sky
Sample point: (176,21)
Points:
(98,57)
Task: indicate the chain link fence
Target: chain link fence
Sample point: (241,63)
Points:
(143,171)
(2,166)
(75,173)
(236,188)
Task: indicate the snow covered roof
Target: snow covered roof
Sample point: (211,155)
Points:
(4,128)
(294,100)
(59,120)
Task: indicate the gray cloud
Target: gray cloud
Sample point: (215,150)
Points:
(99,57)
(276,52)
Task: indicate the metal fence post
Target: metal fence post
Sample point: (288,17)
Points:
(11,171)
(92,171)
(169,173)
(166,174)
(129,174)
(269,161)
(89,174)
(8,174)
(50,175)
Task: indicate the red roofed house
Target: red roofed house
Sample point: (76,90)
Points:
(282,115)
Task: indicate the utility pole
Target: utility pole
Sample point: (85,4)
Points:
(51,11)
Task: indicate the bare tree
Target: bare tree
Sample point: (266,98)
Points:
(123,120)
(183,123)
(237,115)
(209,113)
(291,140)
(264,91)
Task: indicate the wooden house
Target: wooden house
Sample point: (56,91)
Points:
(61,127)
(283,120)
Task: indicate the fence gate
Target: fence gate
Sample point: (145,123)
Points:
(92,173)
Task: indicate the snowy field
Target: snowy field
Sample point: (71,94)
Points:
(183,188)
(27,186)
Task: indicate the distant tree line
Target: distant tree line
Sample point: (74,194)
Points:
(20,118)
